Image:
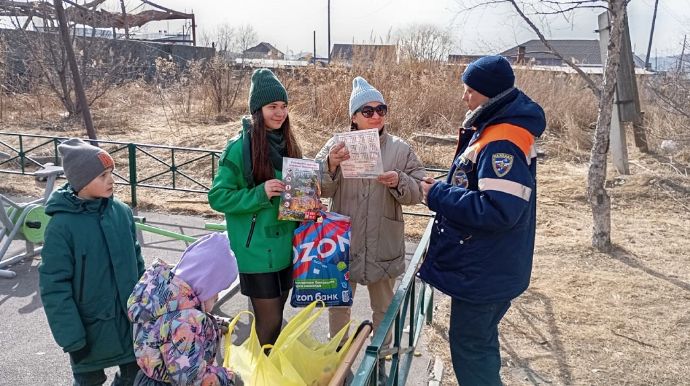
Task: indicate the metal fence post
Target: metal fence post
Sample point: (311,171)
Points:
(21,153)
(56,160)
(132,153)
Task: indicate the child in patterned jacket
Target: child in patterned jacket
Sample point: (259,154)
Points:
(175,337)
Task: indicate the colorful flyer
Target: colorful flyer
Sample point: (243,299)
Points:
(300,200)
(365,154)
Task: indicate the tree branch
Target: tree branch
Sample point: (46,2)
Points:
(588,80)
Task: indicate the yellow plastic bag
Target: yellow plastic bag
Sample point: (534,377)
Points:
(250,362)
(315,361)
(296,359)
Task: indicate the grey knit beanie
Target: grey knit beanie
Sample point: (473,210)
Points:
(83,162)
(363,93)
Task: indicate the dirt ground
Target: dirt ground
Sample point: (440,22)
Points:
(588,318)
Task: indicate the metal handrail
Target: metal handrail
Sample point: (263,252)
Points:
(135,153)
(396,319)
(408,307)
(172,168)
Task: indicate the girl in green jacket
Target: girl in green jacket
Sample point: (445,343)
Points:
(246,189)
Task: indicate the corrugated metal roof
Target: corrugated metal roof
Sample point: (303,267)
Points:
(582,52)
(262,47)
(579,51)
(344,51)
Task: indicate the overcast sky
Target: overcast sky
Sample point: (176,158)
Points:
(289,24)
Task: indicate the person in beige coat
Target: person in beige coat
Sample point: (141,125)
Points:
(377,249)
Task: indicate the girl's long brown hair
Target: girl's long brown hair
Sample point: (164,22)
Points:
(262,169)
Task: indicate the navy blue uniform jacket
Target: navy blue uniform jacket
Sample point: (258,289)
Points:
(482,239)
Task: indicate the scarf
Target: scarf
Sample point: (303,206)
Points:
(277,149)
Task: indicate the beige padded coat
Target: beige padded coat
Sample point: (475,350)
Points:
(377,247)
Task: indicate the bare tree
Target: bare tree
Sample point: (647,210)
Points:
(100,67)
(425,42)
(224,89)
(246,37)
(599,200)
(225,38)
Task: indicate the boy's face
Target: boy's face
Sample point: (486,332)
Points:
(99,187)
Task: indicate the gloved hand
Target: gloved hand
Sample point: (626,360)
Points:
(79,355)
(222,324)
(238,380)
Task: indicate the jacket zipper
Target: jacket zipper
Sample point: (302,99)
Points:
(251,231)
(83,277)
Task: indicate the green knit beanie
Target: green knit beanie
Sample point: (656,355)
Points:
(265,88)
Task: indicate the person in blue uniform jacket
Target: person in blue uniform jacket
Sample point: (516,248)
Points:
(482,242)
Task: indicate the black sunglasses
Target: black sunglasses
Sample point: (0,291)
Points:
(368,111)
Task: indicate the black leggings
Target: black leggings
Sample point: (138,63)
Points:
(268,314)
(268,293)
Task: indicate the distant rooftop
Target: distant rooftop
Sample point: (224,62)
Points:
(581,52)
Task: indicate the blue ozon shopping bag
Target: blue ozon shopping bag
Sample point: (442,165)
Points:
(321,262)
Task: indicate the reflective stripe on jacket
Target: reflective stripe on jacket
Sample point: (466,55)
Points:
(482,240)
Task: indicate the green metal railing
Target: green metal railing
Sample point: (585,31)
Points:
(175,168)
(412,304)
(186,169)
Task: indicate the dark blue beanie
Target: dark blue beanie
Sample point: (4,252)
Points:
(490,75)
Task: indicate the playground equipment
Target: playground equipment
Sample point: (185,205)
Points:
(25,221)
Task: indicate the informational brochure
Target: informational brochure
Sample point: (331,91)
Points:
(300,200)
(365,153)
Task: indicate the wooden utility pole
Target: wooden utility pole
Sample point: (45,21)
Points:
(648,65)
(682,54)
(78,86)
(124,18)
(329,31)
(628,101)
(617,145)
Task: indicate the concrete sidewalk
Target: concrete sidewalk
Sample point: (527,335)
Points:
(30,356)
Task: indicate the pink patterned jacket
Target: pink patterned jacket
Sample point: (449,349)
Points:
(175,341)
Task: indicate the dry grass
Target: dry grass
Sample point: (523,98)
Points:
(588,318)
(599,319)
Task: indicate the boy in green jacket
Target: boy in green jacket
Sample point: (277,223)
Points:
(91,261)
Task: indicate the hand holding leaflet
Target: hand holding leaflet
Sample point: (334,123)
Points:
(364,154)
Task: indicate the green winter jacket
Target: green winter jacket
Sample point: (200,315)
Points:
(261,242)
(91,261)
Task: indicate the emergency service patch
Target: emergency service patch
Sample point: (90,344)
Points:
(501,162)
(460,179)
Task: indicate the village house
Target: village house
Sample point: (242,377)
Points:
(263,50)
(584,53)
(364,53)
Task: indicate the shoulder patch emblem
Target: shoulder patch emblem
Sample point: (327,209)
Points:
(501,162)
(460,178)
